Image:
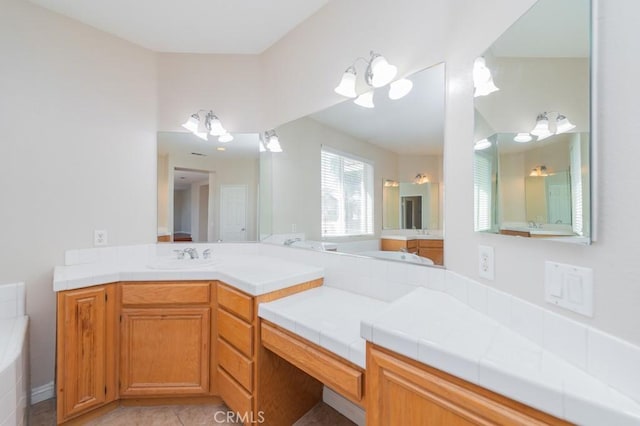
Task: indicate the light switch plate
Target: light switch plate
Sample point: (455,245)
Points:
(486,262)
(570,287)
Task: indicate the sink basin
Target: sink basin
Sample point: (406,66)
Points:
(164,263)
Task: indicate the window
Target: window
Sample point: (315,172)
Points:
(347,195)
(483,191)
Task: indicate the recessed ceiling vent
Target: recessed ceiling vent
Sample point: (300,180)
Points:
(199,154)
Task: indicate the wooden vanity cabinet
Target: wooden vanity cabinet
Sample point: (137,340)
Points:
(432,249)
(396,245)
(86,339)
(241,385)
(401,391)
(165,338)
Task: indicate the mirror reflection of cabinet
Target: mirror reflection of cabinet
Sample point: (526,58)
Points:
(532,139)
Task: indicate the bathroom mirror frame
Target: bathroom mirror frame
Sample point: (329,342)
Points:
(291,142)
(482,127)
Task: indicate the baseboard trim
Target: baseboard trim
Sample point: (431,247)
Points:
(42,393)
(343,406)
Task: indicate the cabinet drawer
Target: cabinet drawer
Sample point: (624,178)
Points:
(411,244)
(235,331)
(431,244)
(236,364)
(236,302)
(236,398)
(165,293)
(336,374)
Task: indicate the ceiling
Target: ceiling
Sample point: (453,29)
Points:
(191,26)
(244,145)
(550,29)
(413,125)
(183,178)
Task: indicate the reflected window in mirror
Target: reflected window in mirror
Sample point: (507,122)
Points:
(532,137)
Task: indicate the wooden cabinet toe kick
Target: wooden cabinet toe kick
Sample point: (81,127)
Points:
(335,372)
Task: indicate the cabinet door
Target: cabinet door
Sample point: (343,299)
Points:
(85,344)
(165,351)
(402,392)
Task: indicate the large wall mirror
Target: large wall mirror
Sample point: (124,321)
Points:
(351,177)
(532,137)
(207,190)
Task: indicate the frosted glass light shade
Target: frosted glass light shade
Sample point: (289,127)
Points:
(347,86)
(563,124)
(274,144)
(380,71)
(523,137)
(365,100)
(542,126)
(201,135)
(192,123)
(482,79)
(400,88)
(482,144)
(227,137)
(216,127)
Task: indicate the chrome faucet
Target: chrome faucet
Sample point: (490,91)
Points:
(206,254)
(291,241)
(192,252)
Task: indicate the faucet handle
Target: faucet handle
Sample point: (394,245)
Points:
(206,254)
(179,254)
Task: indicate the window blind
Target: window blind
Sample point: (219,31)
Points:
(575,170)
(347,195)
(482,191)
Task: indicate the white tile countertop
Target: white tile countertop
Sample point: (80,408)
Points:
(251,273)
(326,316)
(437,329)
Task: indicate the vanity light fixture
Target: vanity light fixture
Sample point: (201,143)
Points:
(421,179)
(523,137)
(539,171)
(377,74)
(542,129)
(482,144)
(388,183)
(203,122)
(482,78)
(270,141)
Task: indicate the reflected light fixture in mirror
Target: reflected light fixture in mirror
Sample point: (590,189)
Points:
(542,129)
(270,142)
(482,144)
(523,138)
(482,78)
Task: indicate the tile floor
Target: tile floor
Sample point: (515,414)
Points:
(44,414)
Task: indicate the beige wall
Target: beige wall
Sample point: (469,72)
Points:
(77,152)
(229,85)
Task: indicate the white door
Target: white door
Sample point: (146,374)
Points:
(233,212)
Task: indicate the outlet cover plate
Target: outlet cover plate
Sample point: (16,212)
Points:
(100,237)
(486,262)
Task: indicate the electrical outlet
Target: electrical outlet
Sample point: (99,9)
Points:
(99,237)
(485,262)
